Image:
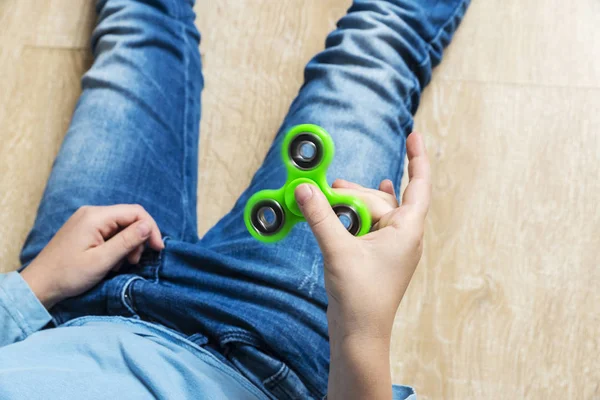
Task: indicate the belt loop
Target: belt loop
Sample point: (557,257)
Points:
(118,298)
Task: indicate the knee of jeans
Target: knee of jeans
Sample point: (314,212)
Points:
(424,17)
(367,161)
(415,30)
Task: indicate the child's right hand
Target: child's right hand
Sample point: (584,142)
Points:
(366,277)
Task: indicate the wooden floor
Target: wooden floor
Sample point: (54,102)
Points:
(506,302)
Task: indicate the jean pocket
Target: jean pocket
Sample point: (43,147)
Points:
(266,371)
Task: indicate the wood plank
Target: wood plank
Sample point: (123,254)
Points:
(36,112)
(540,42)
(49,23)
(506,298)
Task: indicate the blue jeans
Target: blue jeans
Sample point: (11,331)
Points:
(134,139)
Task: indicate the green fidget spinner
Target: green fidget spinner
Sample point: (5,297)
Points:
(307,152)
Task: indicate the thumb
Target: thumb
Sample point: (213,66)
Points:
(323,221)
(126,241)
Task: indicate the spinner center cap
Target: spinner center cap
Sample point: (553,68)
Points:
(290,199)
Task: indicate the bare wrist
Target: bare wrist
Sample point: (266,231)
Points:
(359,365)
(40,287)
(345,323)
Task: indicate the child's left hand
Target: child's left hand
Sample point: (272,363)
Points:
(92,242)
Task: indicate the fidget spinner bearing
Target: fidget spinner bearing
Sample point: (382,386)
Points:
(307,152)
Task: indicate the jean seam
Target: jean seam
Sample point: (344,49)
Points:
(427,59)
(409,122)
(251,340)
(240,336)
(126,291)
(192,338)
(407,100)
(272,381)
(184,198)
(158,266)
(178,10)
(442,29)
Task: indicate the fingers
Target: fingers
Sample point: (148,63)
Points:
(387,186)
(378,206)
(134,257)
(379,202)
(121,216)
(417,196)
(388,194)
(418,192)
(344,184)
(323,221)
(124,243)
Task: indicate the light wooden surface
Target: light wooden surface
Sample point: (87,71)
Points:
(506,302)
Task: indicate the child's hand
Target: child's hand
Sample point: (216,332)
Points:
(92,242)
(366,277)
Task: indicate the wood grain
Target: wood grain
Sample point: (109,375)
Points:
(535,42)
(36,106)
(253,69)
(506,298)
(506,302)
(49,23)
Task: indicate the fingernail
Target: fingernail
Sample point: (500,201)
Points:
(143,229)
(303,193)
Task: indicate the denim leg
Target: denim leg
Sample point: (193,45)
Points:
(363,89)
(134,133)
(267,303)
